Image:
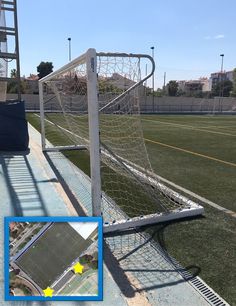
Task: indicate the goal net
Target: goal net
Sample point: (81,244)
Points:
(93,104)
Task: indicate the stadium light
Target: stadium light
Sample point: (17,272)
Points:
(69,40)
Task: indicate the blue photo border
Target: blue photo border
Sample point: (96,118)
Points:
(9,297)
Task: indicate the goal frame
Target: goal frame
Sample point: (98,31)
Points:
(90,59)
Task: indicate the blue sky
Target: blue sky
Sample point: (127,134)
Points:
(188,36)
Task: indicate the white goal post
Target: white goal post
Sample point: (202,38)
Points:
(93,103)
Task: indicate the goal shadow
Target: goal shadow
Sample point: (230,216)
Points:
(144,262)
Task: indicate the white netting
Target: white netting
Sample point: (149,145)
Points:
(128,182)
(66,108)
(126,169)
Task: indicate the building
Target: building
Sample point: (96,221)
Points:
(123,83)
(193,87)
(120,81)
(217,77)
(31,84)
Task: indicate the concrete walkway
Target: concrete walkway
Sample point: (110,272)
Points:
(29,187)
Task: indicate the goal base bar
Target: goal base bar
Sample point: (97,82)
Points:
(64,148)
(135,222)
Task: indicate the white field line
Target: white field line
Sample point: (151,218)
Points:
(189,127)
(143,175)
(196,196)
(216,126)
(67,131)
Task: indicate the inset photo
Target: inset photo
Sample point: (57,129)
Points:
(53,258)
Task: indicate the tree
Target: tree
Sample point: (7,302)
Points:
(159,92)
(13,73)
(172,88)
(180,92)
(233,93)
(222,88)
(44,68)
(12,87)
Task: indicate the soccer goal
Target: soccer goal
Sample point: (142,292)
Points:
(93,104)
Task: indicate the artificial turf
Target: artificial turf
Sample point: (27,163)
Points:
(212,137)
(208,242)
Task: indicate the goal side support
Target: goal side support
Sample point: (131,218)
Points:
(90,59)
(94,138)
(42,117)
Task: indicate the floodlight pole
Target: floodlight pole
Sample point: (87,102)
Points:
(222,62)
(69,40)
(221,80)
(152,48)
(164,84)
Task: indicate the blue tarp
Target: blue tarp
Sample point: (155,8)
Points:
(13,127)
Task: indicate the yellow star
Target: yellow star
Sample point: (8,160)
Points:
(78,268)
(48,292)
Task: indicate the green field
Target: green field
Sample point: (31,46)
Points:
(199,154)
(201,157)
(52,253)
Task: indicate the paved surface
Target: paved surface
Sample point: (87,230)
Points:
(29,187)
(64,280)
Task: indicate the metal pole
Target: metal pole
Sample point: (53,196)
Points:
(164,84)
(69,39)
(41,105)
(221,80)
(152,48)
(146,89)
(222,62)
(94,146)
(17,50)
